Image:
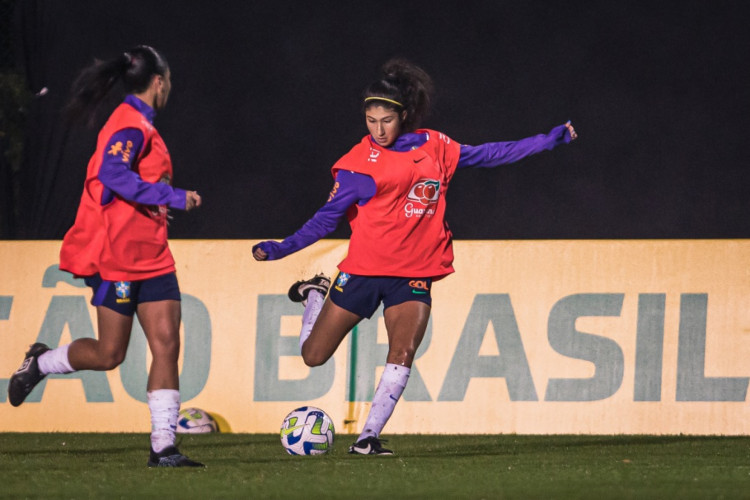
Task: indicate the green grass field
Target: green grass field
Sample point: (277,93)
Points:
(440,467)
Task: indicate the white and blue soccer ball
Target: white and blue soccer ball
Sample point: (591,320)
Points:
(307,431)
(196,421)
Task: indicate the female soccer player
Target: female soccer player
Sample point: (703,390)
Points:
(392,187)
(118,244)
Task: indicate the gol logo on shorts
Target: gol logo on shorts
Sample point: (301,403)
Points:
(419,285)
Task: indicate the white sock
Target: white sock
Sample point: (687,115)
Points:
(164,405)
(314,304)
(389,390)
(55,361)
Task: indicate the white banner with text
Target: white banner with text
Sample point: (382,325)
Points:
(527,337)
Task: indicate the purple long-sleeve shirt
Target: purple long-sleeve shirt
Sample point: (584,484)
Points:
(118,177)
(359,188)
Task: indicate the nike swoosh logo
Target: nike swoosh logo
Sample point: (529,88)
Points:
(291,429)
(418,160)
(365,451)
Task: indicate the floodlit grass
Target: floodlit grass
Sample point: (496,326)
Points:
(70,465)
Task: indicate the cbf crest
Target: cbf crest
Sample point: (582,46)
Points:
(122,290)
(341,280)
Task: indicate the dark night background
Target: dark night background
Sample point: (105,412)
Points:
(266,98)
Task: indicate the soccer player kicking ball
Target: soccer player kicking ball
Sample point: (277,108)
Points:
(392,188)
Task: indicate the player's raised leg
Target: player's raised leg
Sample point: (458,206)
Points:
(332,325)
(101,354)
(311,293)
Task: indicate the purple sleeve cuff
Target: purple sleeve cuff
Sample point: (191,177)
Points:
(179,199)
(352,188)
(493,154)
(118,177)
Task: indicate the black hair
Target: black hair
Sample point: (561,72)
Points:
(134,69)
(402,86)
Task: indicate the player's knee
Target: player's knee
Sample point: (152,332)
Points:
(311,357)
(166,355)
(111,359)
(165,346)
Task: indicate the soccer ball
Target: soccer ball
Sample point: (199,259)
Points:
(196,421)
(307,431)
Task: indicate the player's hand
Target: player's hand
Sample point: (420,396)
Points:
(259,253)
(571,131)
(192,200)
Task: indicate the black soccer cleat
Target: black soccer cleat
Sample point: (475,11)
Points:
(369,446)
(171,457)
(300,290)
(27,376)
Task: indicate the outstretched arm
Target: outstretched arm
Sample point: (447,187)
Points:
(350,188)
(493,154)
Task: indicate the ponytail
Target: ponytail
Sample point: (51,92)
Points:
(402,86)
(134,69)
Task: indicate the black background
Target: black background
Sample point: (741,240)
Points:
(266,98)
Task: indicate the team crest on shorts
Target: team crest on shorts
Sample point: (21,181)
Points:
(341,280)
(122,290)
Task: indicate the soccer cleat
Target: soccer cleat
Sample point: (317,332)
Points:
(27,376)
(300,290)
(369,446)
(171,457)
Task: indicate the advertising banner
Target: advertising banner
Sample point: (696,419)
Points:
(527,337)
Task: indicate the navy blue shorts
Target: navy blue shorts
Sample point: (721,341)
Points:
(362,295)
(124,296)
